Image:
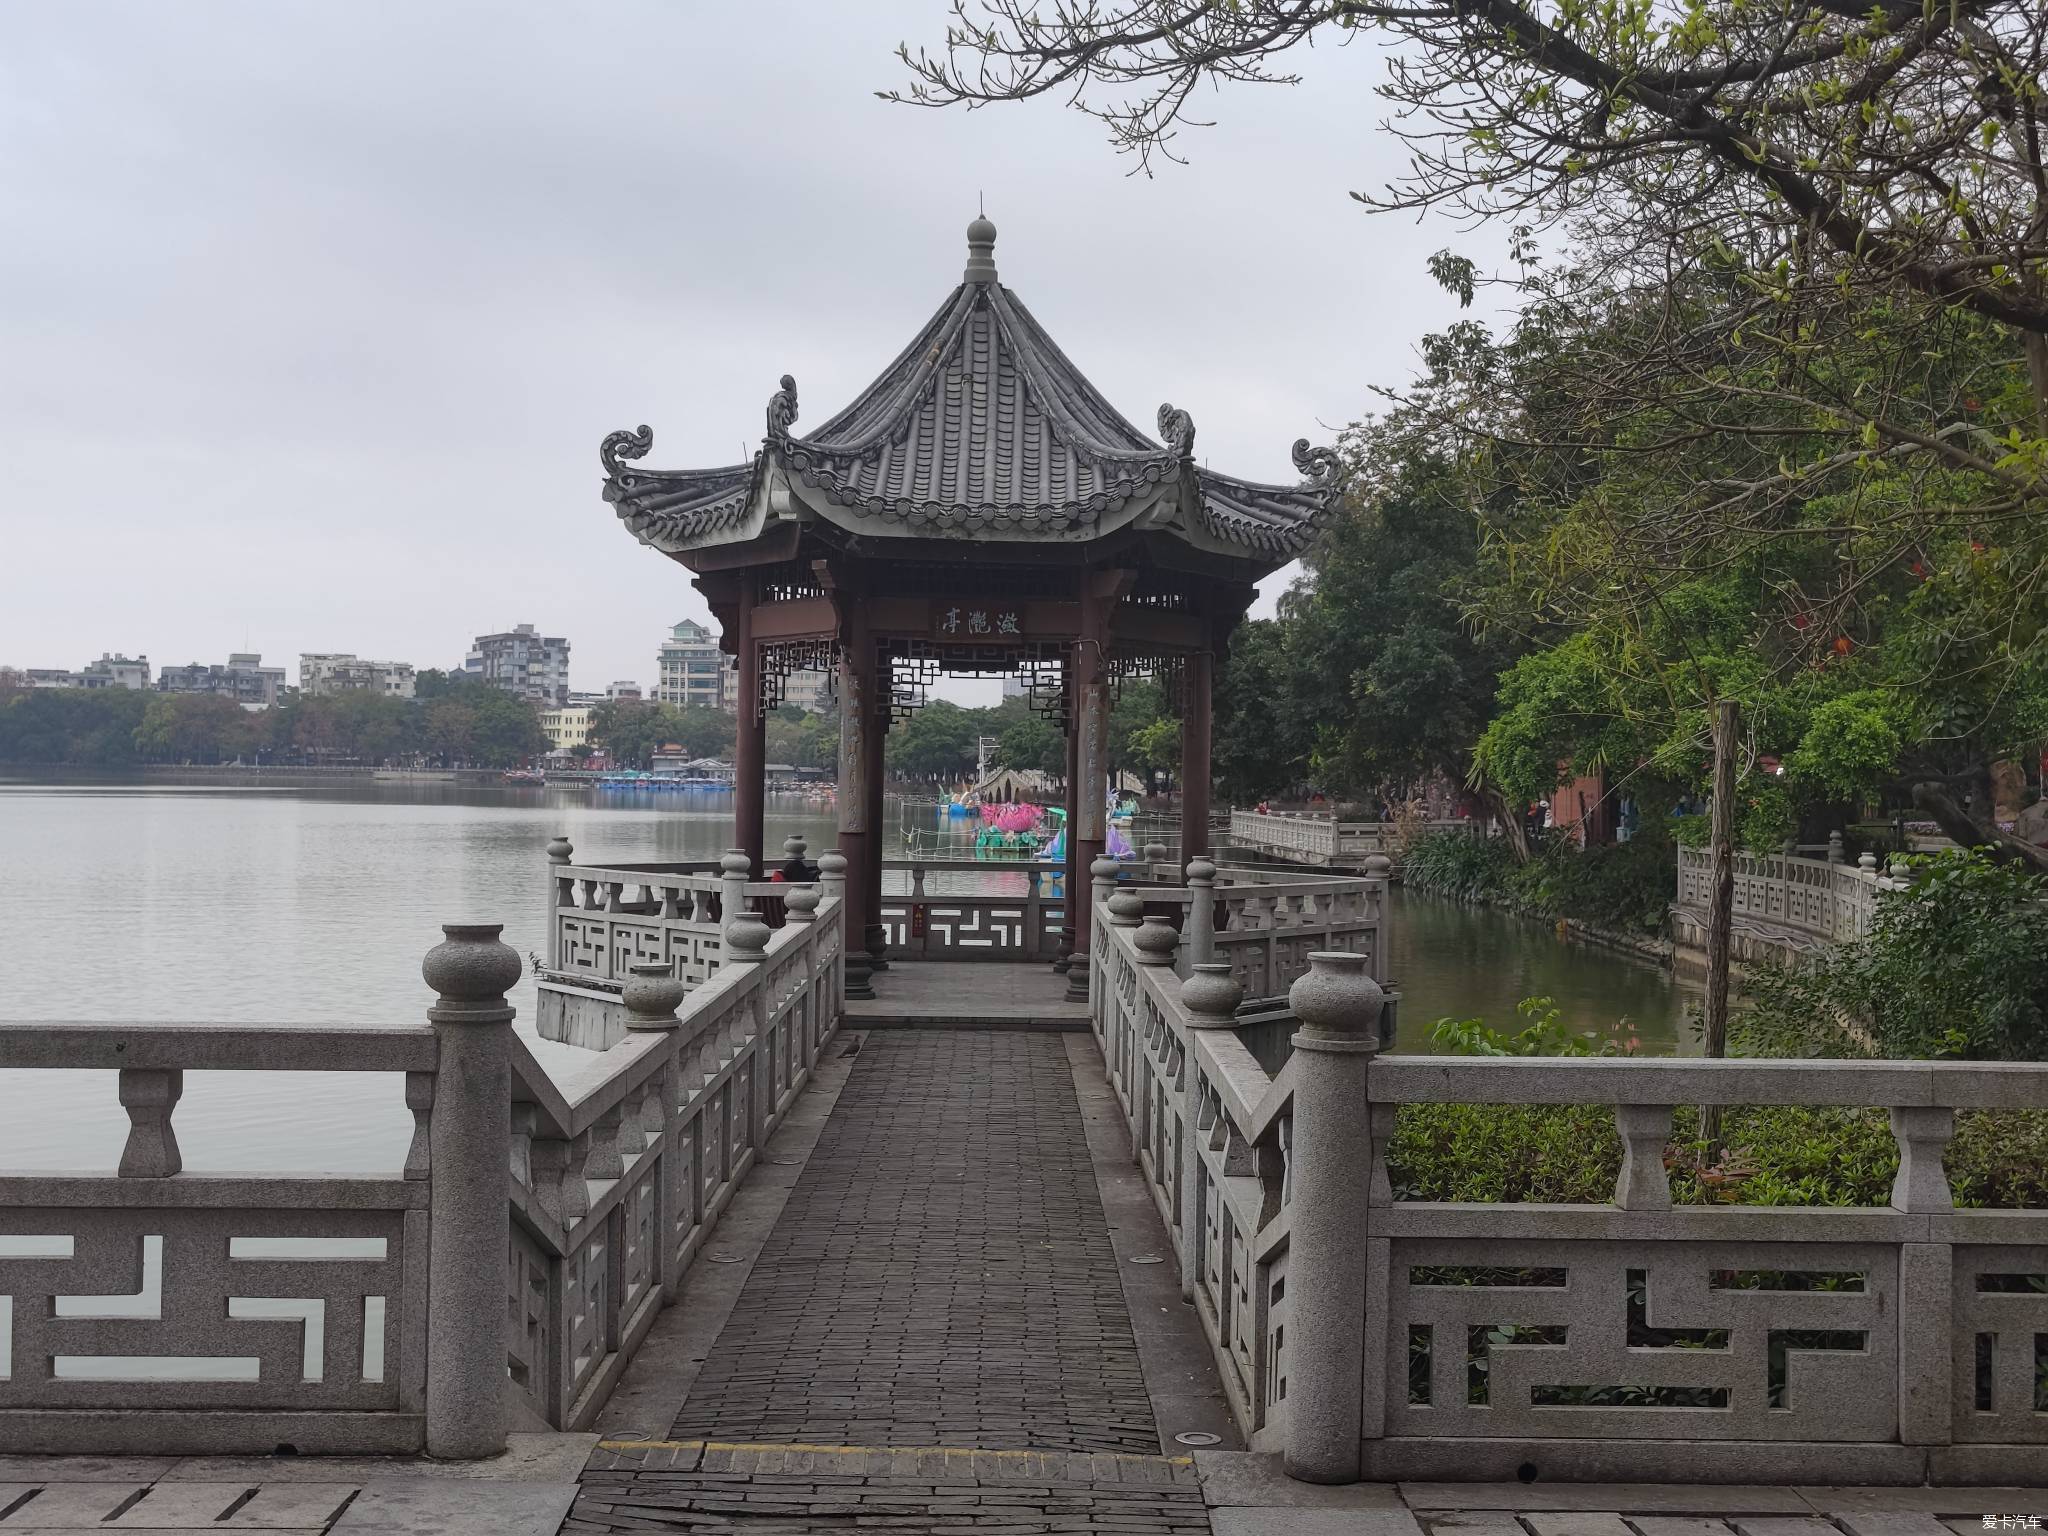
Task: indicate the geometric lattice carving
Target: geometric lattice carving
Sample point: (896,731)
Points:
(1713,1341)
(2000,1308)
(232,1308)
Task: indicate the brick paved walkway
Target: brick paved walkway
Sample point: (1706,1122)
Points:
(942,1274)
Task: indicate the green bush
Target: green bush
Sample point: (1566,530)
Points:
(1624,886)
(1954,967)
(1773,1154)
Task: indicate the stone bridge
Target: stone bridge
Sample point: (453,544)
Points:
(974,1257)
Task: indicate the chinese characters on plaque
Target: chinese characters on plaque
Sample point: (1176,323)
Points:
(962,621)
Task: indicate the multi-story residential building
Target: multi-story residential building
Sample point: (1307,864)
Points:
(693,670)
(244,679)
(624,692)
(521,660)
(690,667)
(567,725)
(330,672)
(112,670)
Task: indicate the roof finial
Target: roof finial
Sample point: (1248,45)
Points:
(981,249)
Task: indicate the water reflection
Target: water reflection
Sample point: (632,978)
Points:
(133,901)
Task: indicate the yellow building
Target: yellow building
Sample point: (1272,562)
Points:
(568,726)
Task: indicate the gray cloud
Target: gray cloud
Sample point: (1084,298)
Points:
(314,313)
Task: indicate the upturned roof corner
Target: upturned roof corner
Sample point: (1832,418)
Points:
(981,429)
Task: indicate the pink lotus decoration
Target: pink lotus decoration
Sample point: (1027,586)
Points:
(1014,818)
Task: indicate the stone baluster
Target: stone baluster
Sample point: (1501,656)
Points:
(469,1223)
(1867,862)
(1922,1133)
(1338,1004)
(1836,852)
(419,1098)
(525,1124)
(801,904)
(1210,995)
(547,1169)
(1201,928)
(150,1095)
(1642,1184)
(917,892)
(576,1179)
(607,1160)
(1155,855)
(795,846)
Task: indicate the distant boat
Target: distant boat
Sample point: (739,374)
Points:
(521,776)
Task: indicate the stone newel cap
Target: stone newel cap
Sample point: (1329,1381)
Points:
(472,970)
(981,251)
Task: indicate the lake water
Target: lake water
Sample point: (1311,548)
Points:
(130,901)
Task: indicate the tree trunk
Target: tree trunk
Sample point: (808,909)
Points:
(1511,825)
(1966,832)
(1720,908)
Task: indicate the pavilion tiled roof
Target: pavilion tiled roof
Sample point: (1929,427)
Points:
(981,426)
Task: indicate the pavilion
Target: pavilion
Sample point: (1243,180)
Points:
(979,509)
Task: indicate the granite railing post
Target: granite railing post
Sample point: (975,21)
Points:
(746,943)
(1201,931)
(561,892)
(469,1221)
(735,869)
(801,908)
(1210,995)
(1926,1283)
(1338,1004)
(1102,883)
(859,981)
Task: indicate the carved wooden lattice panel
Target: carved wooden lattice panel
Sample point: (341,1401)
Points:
(1700,1341)
(2001,1344)
(201,1308)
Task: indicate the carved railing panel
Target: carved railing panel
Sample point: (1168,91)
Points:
(628,1172)
(151,1307)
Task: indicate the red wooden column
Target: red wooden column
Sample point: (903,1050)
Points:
(1069,884)
(1087,832)
(750,744)
(873,772)
(859,837)
(1195,723)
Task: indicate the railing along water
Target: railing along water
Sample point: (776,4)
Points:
(1326,840)
(506,1273)
(1364,1336)
(1783,904)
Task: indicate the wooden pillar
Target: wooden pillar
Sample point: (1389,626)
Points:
(859,839)
(750,742)
(1070,881)
(1198,681)
(1088,829)
(874,935)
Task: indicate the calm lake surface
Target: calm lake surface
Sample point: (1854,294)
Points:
(130,901)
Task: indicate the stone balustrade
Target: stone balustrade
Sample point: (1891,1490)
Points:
(1784,905)
(1326,840)
(1363,1336)
(945,909)
(1264,923)
(506,1273)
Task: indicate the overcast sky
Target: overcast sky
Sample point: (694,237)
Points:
(312,315)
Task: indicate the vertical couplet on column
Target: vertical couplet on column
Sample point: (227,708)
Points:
(874,935)
(1086,834)
(1198,679)
(750,746)
(856,837)
(1070,880)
